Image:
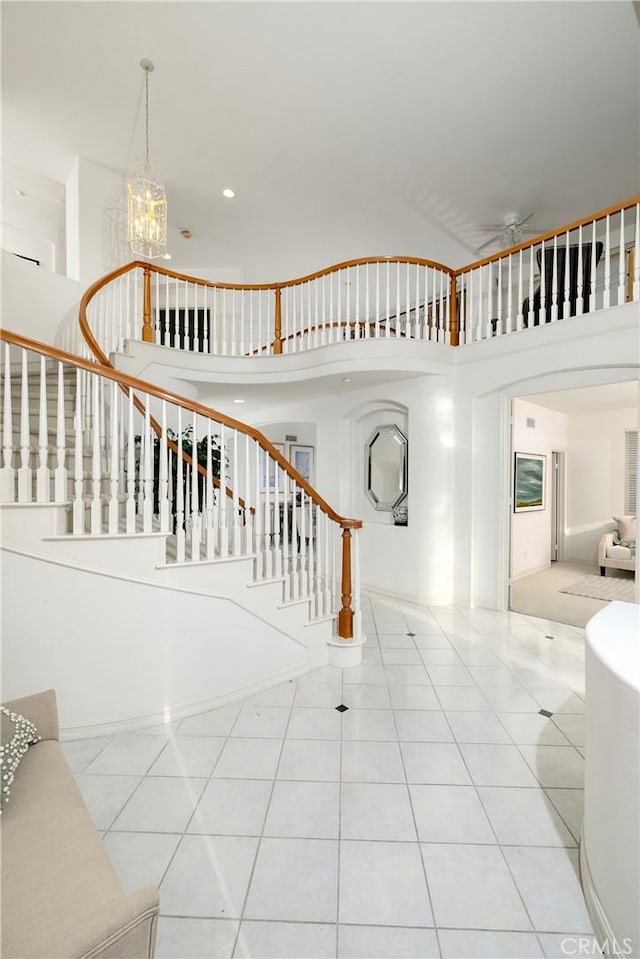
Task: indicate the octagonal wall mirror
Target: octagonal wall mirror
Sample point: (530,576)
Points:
(386,477)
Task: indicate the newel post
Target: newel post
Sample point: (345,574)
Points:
(454,326)
(345,616)
(277,334)
(147,331)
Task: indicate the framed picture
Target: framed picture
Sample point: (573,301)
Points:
(301,458)
(271,477)
(528,482)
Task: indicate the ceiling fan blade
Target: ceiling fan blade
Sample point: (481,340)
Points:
(492,239)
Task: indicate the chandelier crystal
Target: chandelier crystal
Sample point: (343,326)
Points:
(147,201)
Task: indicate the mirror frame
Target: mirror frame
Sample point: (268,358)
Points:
(387,505)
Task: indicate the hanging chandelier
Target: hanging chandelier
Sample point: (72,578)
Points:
(147,201)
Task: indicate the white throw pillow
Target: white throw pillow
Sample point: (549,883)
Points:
(627,526)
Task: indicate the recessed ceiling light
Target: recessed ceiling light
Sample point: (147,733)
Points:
(20,193)
(346,379)
(229,193)
(166,256)
(238,401)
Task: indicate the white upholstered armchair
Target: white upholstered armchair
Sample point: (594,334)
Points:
(618,551)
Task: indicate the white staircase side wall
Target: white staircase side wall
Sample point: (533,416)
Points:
(33,528)
(124,654)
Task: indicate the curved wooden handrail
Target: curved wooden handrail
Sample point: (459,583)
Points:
(132,383)
(585,221)
(279,285)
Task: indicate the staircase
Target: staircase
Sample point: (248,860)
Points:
(85,512)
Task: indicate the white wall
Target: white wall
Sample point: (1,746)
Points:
(36,302)
(531,532)
(415,561)
(129,653)
(88,187)
(595,477)
(33,216)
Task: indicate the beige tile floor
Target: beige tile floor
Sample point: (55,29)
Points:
(438,816)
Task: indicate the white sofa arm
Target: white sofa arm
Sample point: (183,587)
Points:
(605,542)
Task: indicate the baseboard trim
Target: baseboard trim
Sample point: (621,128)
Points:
(602,930)
(135,723)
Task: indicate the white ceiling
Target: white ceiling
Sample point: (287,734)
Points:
(590,399)
(347,129)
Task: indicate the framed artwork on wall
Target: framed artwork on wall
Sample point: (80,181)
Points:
(301,458)
(528,482)
(272,477)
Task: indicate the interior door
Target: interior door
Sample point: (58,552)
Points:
(557,505)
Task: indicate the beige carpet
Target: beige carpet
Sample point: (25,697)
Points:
(539,595)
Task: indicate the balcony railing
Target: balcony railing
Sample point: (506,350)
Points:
(584,267)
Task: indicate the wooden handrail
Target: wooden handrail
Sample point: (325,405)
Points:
(133,383)
(585,221)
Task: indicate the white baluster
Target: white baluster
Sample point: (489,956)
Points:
(96,472)
(566,306)
(499,326)
(224,499)
(295,542)
(416,311)
(209,531)
(397,323)
(489,299)
(163,474)
(235,501)
(593,291)
(287,545)
(78,466)
(544,286)
(606,300)
(358,317)
(196,519)
(377,301)
(180,513)
(131,470)
(367,300)
(114,461)
(509,320)
(621,263)
(277,546)
(8,473)
(520,294)
(387,326)
(531,311)
(259,518)
(25,489)
(246,513)
(61,491)
(479,325)
(580,277)
(206,345)
(43,474)
(554,282)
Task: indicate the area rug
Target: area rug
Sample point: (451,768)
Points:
(603,587)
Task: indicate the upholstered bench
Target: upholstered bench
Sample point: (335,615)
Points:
(60,895)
